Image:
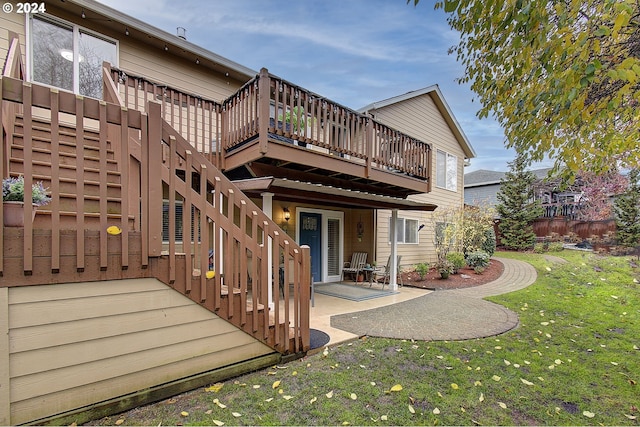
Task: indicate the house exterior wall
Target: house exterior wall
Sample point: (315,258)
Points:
(135,57)
(71,345)
(484,195)
(420,118)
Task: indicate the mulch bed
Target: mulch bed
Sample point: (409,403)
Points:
(465,278)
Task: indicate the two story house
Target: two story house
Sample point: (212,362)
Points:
(194,202)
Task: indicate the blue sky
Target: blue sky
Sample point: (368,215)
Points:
(354,52)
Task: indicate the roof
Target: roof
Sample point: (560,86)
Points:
(139,29)
(436,94)
(488,177)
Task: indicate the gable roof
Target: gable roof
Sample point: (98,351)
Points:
(438,98)
(149,34)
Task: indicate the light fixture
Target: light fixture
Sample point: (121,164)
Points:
(166,48)
(68,55)
(421,227)
(286,214)
(197,61)
(83,15)
(126,31)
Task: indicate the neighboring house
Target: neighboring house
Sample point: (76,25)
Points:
(482,186)
(424,114)
(186,143)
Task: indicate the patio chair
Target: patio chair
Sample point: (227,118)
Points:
(356,265)
(384,274)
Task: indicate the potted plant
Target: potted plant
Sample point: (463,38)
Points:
(13,200)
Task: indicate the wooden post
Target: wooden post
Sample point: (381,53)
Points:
(368,141)
(153,149)
(263,110)
(305,294)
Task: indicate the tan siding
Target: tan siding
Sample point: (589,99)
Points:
(74,344)
(10,22)
(5,396)
(420,118)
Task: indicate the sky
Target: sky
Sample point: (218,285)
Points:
(354,52)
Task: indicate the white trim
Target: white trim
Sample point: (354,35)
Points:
(326,215)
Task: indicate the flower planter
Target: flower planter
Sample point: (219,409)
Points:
(14,214)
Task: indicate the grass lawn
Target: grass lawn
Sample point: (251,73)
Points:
(573,360)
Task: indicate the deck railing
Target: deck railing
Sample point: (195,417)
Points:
(270,108)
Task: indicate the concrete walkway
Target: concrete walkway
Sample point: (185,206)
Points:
(444,315)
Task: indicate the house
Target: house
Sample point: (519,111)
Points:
(424,114)
(217,183)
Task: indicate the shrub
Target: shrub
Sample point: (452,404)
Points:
(422,269)
(478,259)
(478,269)
(445,268)
(457,261)
(555,247)
(539,248)
(489,245)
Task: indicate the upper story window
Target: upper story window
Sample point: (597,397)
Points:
(446,171)
(68,57)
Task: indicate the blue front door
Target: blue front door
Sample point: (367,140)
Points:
(311,235)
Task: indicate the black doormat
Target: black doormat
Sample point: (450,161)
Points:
(318,338)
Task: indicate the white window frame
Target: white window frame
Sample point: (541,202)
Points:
(449,171)
(402,229)
(76,29)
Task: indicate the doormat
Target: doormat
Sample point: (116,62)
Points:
(351,292)
(318,338)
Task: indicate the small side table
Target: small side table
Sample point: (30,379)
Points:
(370,275)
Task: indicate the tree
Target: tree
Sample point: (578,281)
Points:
(627,212)
(517,208)
(562,77)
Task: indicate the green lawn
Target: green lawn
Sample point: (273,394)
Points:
(573,360)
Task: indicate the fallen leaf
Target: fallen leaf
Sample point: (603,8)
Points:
(114,230)
(120,421)
(353,396)
(209,412)
(256,386)
(454,386)
(481,398)
(588,414)
(210,274)
(313,399)
(477,383)
(220,405)
(384,418)
(396,387)
(548,268)
(184,413)
(236,414)
(496,378)
(631,417)
(275,384)
(329,395)
(413,411)
(269,399)
(214,388)
(436,411)
(218,423)
(502,405)
(287,397)
(525,382)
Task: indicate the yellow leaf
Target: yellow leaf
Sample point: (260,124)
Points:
(588,414)
(256,386)
(631,417)
(353,396)
(281,391)
(209,412)
(275,384)
(477,383)
(120,421)
(436,411)
(236,414)
(218,422)
(329,395)
(313,399)
(525,382)
(481,398)
(287,397)
(384,418)
(413,411)
(294,373)
(184,413)
(114,230)
(396,387)
(214,388)
(496,378)
(269,399)
(502,405)
(220,405)
(454,386)
(210,274)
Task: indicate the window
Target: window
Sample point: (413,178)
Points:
(447,171)
(406,230)
(67,57)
